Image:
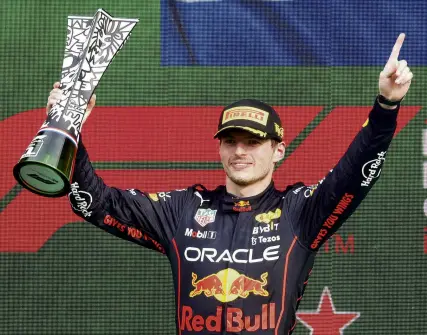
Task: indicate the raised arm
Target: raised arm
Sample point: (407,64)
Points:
(146,219)
(318,211)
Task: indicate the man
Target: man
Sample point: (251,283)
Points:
(241,254)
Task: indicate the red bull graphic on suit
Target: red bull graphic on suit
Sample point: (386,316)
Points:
(209,285)
(236,320)
(225,286)
(228,285)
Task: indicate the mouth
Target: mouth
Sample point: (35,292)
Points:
(240,165)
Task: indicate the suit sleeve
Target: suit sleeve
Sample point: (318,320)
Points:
(317,211)
(149,220)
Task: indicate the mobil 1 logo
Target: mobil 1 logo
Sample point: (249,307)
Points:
(211,235)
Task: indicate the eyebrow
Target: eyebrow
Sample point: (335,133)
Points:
(245,137)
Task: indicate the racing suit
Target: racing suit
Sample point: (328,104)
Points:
(240,265)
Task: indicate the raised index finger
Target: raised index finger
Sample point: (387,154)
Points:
(397,46)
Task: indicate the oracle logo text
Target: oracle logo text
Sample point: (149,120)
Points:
(193,254)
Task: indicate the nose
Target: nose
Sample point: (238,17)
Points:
(240,148)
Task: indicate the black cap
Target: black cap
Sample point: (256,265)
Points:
(253,116)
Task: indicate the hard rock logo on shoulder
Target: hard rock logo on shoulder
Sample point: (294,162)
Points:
(204,216)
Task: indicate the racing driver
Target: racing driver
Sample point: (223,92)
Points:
(241,254)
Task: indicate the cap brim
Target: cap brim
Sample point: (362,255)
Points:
(256,132)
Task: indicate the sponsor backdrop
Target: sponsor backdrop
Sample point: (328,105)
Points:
(158,104)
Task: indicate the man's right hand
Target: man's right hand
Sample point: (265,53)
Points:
(56,95)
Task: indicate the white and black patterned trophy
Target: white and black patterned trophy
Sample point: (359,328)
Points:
(46,166)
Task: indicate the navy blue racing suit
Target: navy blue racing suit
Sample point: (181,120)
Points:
(240,265)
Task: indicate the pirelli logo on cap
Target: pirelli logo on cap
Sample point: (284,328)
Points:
(245,113)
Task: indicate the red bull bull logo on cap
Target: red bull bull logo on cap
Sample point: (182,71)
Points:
(228,285)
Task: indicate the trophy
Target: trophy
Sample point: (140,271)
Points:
(46,167)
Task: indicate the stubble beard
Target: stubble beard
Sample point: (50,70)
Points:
(249,180)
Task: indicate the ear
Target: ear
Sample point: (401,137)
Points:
(279,152)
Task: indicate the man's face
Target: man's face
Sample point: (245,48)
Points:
(246,158)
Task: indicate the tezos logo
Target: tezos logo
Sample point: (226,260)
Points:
(371,170)
(80,200)
(262,239)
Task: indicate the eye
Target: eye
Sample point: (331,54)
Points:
(229,141)
(253,141)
